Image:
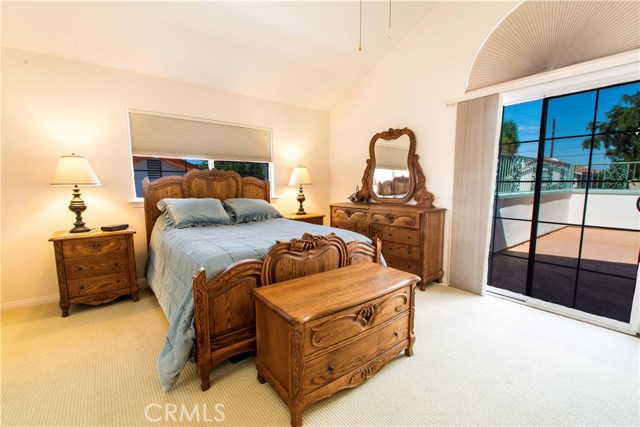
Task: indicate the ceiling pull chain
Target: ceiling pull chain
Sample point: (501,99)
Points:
(360,41)
(389,34)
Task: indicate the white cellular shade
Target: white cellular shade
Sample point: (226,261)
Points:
(159,135)
(74,170)
(542,36)
(395,158)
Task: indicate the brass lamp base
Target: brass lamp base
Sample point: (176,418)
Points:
(78,206)
(300,199)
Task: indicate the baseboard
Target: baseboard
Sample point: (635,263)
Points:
(29,302)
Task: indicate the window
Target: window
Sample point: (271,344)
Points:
(157,167)
(565,225)
(164,145)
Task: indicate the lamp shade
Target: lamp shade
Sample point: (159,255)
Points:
(300,176)
(74,170)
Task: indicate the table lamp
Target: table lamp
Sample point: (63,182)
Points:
(300,176)
(75,170)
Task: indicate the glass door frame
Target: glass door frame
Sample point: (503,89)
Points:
(633,327)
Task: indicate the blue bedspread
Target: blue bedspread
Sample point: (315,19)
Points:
(176,254)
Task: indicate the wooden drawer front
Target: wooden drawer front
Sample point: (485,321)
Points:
(346,224)
(346,360)
(401,251)
(404,264)
(318,220)
(96,285)
(347,213)
(405,236)
(95,266)
(338,327)
(92,247)
(398,219)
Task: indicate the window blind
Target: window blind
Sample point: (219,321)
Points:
(477,132)
(395,158)
(541,36)
(163,135)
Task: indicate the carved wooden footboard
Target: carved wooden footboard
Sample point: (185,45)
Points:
(224,308)
(224,315)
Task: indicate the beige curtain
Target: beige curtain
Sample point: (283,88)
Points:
(477,130)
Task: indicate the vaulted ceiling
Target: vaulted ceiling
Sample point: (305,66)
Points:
(298,52)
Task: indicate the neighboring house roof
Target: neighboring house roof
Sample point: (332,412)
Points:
(175,162)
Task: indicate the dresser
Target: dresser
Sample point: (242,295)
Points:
(412,236)
(94,267)
(325,332)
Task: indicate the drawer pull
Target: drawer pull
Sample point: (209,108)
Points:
(366,313)
(395,334)
(96,246)
(331,368)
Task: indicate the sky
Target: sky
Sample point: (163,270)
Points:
(573,114)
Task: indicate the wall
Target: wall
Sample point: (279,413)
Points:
(607,209)
(411,87)
(555,206)
(53,106)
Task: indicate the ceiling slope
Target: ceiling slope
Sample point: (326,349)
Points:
(303,53)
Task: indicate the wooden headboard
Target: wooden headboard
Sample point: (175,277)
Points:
(215,184)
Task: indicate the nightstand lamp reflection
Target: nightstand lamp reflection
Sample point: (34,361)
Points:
(75,170)
(300,176)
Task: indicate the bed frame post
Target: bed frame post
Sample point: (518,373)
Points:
(224,315)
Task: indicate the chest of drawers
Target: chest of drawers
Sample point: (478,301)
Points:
(94,267)
(412,236)
(325,332)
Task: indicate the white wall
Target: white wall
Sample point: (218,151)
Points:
(607,209)
(53,106)
(411,87)
(554,207)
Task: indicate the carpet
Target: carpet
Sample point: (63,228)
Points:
(478,361)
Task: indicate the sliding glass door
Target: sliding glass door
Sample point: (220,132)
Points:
(566,224)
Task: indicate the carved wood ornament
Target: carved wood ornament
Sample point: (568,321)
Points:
(417,182)
(307,242)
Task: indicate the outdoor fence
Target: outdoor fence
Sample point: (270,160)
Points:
(517,174)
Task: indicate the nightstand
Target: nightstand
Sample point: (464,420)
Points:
(95,267)
(311,218)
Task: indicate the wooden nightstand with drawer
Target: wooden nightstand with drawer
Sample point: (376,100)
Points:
(311,218)
(95,267)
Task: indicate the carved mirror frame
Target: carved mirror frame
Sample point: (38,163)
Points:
(417,181)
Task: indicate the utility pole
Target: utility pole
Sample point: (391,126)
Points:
(553,134)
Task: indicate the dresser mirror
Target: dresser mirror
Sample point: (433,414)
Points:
(393,174)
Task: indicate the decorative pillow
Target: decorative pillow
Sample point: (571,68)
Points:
(183,213)
(245,210)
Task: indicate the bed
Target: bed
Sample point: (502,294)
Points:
(202,276)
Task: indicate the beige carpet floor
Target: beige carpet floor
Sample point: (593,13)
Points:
(478,361)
